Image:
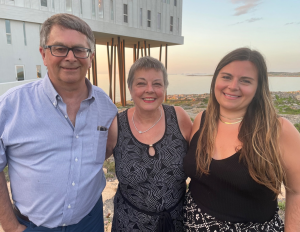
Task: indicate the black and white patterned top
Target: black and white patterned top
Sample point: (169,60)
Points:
(150,183)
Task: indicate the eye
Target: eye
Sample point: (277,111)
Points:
(226,77)
(157,84)
(141,83)
(245,81)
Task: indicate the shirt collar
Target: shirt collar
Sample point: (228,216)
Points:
(53,95)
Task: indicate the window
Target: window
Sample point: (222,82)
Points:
(149,18)
(80,6)
(24,32)
(8,32)
(168,1)
(100,8)
(171,23)
(141,17)
(178,25)
(175,2)
(38,71)
(158,20)
(53,4)
(44,3)
(125,11)
(93,8)
(20,72)
(112,10)
(69,5)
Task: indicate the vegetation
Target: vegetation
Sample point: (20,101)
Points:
(297,125)
(281,205)
(284,105)
(6,174)
(109,164)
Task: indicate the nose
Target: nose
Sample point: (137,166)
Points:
(71,56)
(149,88)
(234,84)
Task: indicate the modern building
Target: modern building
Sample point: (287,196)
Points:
(138,24)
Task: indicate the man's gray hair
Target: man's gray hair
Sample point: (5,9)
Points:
(147,63)
(67,21)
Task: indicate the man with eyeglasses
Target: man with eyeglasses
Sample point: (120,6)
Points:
(53,135)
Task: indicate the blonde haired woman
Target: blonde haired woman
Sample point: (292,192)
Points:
(149,142)
(240,154)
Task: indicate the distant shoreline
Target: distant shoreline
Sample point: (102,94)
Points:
(270,74)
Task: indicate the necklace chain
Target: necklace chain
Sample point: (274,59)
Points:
(231,118)
(141,132)
(229,123)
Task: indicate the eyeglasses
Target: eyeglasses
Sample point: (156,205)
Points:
(63,51)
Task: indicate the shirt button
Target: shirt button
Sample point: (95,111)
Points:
(54,103)
(73,183)
(77,136)
(66,116)
(69,206)
(76,159)
(64,224)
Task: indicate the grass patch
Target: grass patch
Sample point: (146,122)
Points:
(297,125)
(192,119)
(109,165)
(6,174)
(281,205)
(287,110)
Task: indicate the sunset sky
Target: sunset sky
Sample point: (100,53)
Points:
(212,28)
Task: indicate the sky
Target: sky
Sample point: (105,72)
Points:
(212,28)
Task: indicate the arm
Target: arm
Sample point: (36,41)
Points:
(289,142)
(8,219)
(184,122)
(112,138)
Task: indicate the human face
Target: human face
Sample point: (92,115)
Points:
(147,89)
(69,70)
(236,86)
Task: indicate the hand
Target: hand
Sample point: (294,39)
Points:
(20,228)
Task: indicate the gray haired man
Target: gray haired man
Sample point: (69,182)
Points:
(53,136)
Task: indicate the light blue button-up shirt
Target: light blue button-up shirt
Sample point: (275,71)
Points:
(55,168)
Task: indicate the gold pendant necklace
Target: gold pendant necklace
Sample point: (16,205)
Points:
(229,123)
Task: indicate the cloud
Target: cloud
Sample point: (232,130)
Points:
(293,23)
(246,6)
(248,21)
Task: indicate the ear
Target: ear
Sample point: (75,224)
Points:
(43,53)
(91,57)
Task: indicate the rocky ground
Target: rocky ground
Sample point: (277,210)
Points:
(287,105)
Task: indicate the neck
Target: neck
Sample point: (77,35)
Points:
(231,115)
(146,117)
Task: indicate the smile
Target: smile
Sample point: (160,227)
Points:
(228,96)
(70,69)
(149,99)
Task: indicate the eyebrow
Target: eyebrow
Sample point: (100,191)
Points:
(61,44)
(241,77)
(142,78)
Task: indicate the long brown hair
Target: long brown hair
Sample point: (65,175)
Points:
(258,131)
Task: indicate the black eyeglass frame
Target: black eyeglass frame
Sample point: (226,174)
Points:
(50,47)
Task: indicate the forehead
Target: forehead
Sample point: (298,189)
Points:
(148,74)
(68,37)
(241,69)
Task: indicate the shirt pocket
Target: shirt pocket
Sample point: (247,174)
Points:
(100,146)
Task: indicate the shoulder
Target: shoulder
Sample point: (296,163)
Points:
(103,100)
(184,122)
(289,143)
(196,124)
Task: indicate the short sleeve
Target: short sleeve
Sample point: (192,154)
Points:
(3,160)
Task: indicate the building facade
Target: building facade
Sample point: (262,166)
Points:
(159,22)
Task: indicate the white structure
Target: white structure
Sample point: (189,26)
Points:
(151,22)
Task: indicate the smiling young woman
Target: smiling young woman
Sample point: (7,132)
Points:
(240,153)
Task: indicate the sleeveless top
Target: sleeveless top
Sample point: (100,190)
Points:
(228,192)
(150,183)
